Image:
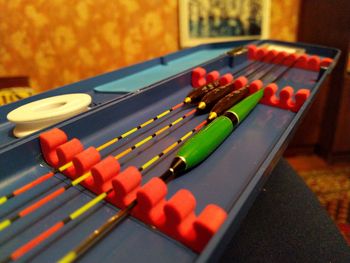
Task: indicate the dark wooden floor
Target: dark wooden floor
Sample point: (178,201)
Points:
(304,163)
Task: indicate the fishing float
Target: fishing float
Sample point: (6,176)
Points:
(24,249)
(193,152)
(44,200)
(214,95)
(232,98)
(194,95)
(43,236)
(103,146)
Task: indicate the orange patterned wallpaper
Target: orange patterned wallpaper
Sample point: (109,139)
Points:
(58,41)
(284,19)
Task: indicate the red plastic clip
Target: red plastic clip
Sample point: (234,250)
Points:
(125,186)
(212,76)
(282,55)
(179,215)
(102,174)
(252,49)
(271,54)
(326,62)
(285,101)
(182,224)
(269,97)
(261,53)
(198,77)
(255,86)
(290,59)
(83,162)
(206,225)
(302,62)
(300,97)
(198,72)
(314,63)
(226,79)
(175,217)
(240,82)
(66,152)
(151,201)
(197,83)
(49,141)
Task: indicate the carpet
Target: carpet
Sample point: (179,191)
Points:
(332,187)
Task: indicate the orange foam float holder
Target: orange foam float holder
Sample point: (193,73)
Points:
(240,82)
(286,100)
(307,62)
(210,78)
(198,77)
(175,217)
(226,79)
(49,141)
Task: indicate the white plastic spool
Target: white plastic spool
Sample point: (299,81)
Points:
(40,114)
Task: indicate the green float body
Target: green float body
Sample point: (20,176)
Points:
(200,146)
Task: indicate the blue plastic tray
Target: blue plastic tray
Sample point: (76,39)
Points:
(117,84)
(230,178)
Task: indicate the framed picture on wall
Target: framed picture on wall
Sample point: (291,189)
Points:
(207,21)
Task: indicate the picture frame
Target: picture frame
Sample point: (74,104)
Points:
(208,21)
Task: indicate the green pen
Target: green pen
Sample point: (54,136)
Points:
(200,146)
